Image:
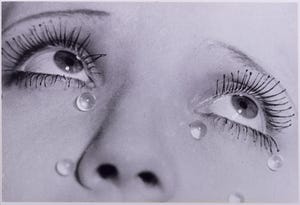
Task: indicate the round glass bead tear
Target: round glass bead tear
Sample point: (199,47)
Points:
(198,129)
(65,167)
(275,162)
(236,198)
(86,101)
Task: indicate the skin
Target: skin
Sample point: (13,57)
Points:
(158,59)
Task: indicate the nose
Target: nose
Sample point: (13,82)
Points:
(127,161)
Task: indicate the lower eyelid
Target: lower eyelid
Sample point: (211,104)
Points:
(40,80)
(238,130)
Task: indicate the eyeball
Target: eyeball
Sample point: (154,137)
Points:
(57,61)
(244,106)
(242,109)
(68,62)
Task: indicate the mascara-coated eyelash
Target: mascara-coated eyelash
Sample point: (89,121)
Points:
(269,96)
(275,106)
(35,80)
(20,48)
(264,140)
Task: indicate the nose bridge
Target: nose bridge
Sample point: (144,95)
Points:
(135,113)
(134,130)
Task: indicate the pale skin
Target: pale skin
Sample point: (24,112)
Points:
(158,59)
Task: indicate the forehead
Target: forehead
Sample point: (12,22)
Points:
(249,23)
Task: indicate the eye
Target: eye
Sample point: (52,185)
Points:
(50,53)
(57,61)
(250,104)
(239,108)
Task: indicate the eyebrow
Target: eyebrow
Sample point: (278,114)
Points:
(63,13)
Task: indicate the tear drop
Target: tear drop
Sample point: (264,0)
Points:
(86,101)
(236,198)
(65,167)
(275,162)
(198,129)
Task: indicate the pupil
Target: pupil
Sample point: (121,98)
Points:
(67,61)
(243,104)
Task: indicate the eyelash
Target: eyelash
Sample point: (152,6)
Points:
(23,46)
(259,87)
(264,140)
(31,79)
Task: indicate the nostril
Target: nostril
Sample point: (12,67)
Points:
(108,171)
(149,178)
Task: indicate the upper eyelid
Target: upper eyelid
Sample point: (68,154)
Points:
(58,14)
(245,62)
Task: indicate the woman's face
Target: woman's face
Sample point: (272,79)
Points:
(176,117)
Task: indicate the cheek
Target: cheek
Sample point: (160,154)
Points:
(219,164)
(51,118)
(41,128)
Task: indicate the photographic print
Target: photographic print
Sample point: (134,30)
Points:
(149,102)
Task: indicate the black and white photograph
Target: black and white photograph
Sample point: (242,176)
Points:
(150,102)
